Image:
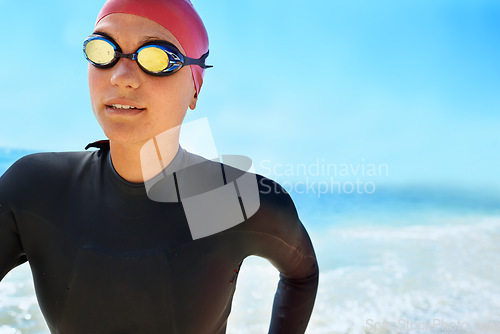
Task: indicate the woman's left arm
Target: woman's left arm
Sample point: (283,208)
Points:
(281,238)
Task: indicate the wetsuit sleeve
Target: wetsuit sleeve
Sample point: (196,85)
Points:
(283,240)
(11,250)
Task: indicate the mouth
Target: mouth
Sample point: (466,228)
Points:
(123,109)
(120,107)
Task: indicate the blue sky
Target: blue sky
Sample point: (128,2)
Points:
(411,84)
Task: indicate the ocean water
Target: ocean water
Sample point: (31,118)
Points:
(406,260)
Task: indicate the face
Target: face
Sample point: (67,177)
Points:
(159,103)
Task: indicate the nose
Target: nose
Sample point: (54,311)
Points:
(126,74)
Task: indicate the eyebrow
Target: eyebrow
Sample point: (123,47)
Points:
(97,32)
(141,42)
(152,38)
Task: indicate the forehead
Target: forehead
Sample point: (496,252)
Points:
(130,30)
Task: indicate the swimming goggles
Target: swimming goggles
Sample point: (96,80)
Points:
(158,58)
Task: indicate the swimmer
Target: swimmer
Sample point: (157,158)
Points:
(105,256)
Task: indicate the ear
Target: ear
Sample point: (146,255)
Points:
(192,104)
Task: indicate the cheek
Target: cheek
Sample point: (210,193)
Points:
(186,86)
(96,79)
(176,90)
(189,79)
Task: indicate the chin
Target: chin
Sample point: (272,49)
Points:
(125,134)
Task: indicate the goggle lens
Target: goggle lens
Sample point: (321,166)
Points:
(100,51)
(153,59)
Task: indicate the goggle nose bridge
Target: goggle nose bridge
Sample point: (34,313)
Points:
(132,56)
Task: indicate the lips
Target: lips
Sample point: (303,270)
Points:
(123,106)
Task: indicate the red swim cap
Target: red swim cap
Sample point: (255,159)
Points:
(177,16)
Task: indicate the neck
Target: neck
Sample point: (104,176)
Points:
(139,162)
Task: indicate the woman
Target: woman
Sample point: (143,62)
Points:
(110,250)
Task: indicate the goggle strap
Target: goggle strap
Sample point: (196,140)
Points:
(200,62)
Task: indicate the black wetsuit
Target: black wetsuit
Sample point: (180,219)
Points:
(107,259)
